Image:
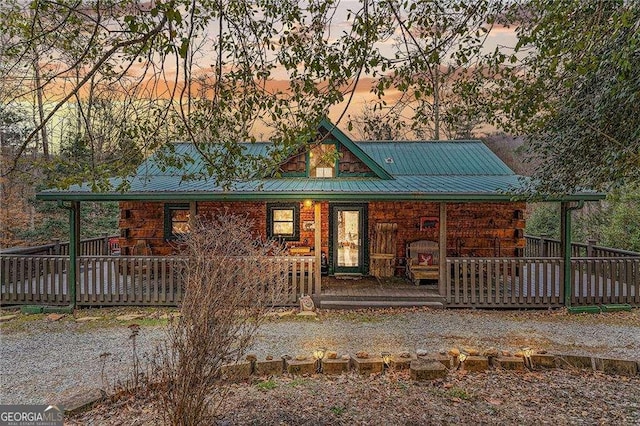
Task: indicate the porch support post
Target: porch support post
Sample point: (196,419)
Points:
(74,251)
(317,244)
(565,243)
(76,232)
(193,213)
(442,281)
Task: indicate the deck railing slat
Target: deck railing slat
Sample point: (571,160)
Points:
(162,297)
(172,289)
(474,267)
(36,283)
(481,285)
(48,268)
(502,282)
(495,282)
(589,268)
(633,274)
(456,290)
(616,289)
(16,278)
(605,280)
(28,283)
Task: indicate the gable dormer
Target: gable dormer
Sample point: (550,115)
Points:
(335,155)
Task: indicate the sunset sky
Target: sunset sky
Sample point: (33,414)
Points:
(499,36)
(339,24)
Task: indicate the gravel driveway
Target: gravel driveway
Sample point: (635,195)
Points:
(42,361)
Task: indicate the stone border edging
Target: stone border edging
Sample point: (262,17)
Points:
(423,367)
(82,400)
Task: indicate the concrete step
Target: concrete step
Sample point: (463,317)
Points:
(348,276)
(363,304)
(383,298)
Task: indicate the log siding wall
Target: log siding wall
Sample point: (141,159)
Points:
(145,221)
(473,229)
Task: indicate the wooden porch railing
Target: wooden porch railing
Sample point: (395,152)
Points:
(605,280)
(98,246)
(127,280)
(548,247)
(504,282)
(539,282)
(34,279)
(471,282)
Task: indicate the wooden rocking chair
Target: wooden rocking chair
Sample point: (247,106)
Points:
(423,261)
(142,248)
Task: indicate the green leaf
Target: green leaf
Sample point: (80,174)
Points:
(184,48)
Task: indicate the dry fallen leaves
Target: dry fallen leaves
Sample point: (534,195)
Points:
(495,397)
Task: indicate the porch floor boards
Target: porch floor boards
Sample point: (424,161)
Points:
(371,292)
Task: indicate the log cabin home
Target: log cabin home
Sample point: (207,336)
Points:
(377,208)
(375,199)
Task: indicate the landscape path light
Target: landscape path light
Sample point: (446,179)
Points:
(386,360)
(526,353)
(461,359)
(318,354)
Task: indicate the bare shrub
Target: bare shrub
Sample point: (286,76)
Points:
(230,280)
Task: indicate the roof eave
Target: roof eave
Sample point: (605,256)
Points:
(320,196)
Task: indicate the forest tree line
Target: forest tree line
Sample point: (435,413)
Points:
(89,88)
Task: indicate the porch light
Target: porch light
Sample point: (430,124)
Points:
(319,353)
(307,203)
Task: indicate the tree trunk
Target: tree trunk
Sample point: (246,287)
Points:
(436,103)
(40,101)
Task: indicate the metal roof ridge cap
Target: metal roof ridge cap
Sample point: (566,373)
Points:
(459,175)
(423,141)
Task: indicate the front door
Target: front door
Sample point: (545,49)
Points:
(348,238)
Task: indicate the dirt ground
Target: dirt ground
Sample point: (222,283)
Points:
(558,397)
(494,397)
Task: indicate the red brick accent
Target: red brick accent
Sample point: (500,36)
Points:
(145,221)
(142,221)
(485,229)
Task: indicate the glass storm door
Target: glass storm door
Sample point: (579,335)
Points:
(348,238)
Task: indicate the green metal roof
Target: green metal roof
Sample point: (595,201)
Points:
(429,170)
(401,185)
(443,158)
(433,158)
(152,167)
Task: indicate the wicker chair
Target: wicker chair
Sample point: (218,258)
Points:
(423,261)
